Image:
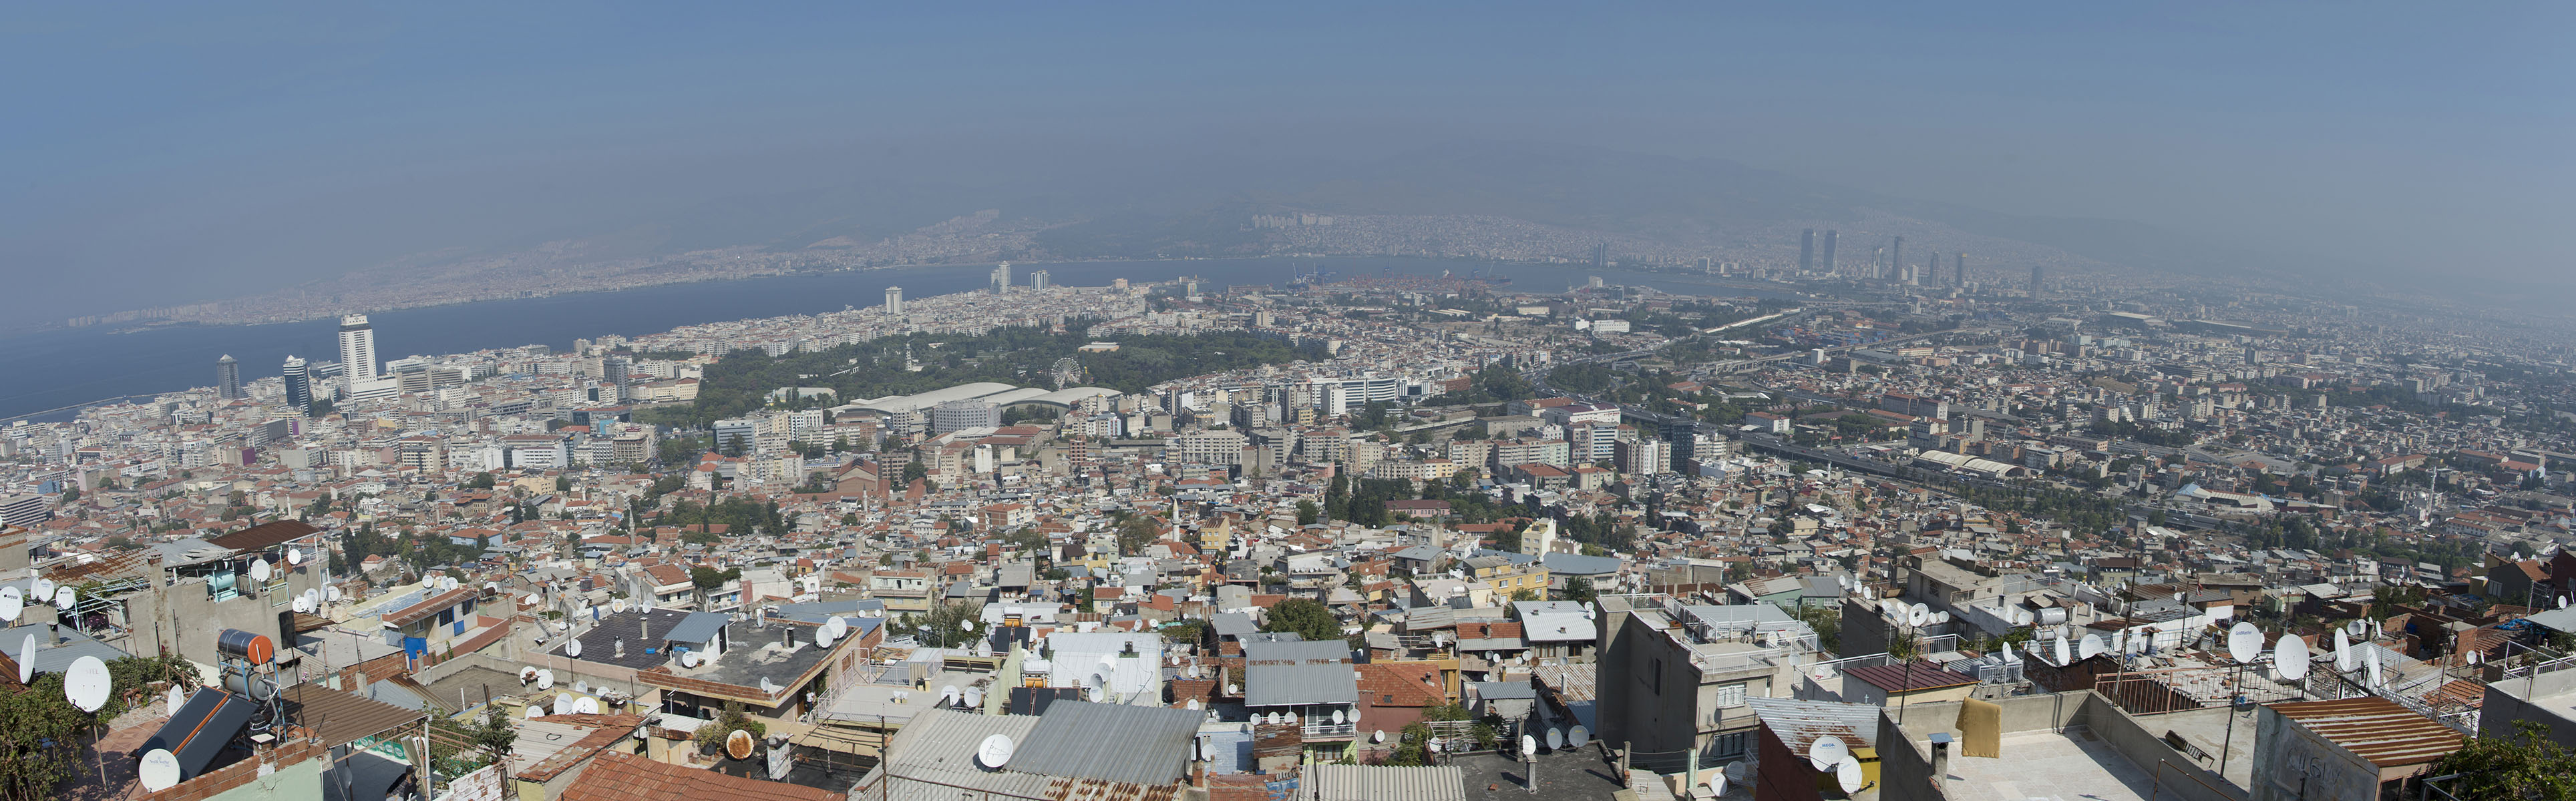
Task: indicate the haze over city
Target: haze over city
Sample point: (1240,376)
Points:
(1307,402)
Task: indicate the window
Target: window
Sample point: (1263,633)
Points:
(1655,678)
(1730,695)
(1730,745)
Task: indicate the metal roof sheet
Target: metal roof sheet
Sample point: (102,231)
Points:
(697,628)
(1111,742)
(1277,684)
(1383,783)
(2376,729)
(1799,723)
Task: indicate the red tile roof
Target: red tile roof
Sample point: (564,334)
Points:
(623,777)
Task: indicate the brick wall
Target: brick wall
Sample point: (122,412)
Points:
(292,770)
(482,785)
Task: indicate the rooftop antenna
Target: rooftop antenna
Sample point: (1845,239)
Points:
(2290,658)
(994,752)
(86,684)
(1827,752)
(1848,774)
(158,771)
(27,661)
(12,602)
(2245,645)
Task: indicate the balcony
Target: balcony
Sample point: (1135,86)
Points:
(1331,731)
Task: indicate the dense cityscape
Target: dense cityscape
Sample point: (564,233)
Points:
(1336,534)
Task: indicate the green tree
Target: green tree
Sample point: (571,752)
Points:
(1305,616)
(1308,512)
(2522,767)
(1136,533)
(948,625)
(1578,589)
(563,483)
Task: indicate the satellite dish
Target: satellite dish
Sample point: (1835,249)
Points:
(994,752)
(1556,739)
(1292,718)
(259,570)
(2356,628)
(1717,785)
(822,637)
(582,687)
(1941,617)
(948,695)
(173,700)
(2064,657)
(1827,751)
(1578,736)
(2343,653)
(27,661)
(1433,744)
(294,556)
(1337,717)
(545,679)
(158,771)
(690,659)
(1847,773)
(1194,704)
(837,627)
(303,604)
(617,605)
(527,674)
(1233,690)
(1097,695)
(975,697)
(87,683)
(65,598)
(331,593)
(536,710)
(12,602)
(41,591)
(313,597)
(573,649)
(2244,643)
(2562,602)
(1529,746)
(2091,646)
(2371,662)
(738,744)
(1378,736)
(587,706)
(2290,658)
(1917,616)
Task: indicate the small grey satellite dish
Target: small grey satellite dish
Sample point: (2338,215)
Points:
(1556,739)
(1578,736)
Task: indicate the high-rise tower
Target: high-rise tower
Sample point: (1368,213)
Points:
(1807,251)
(357,349)
(1896,257)
(1002,278)
(1040,280)
(1830,236)
(2038,274)
(894,300)
(299,385)
(1961,279)
(228,378)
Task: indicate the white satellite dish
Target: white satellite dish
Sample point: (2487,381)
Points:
(87,683)
(331,593)
(2562,602)
(836,627)
(585,706)
(1529,746)
(1097,695)
(975,697)
(65,598)
(527,674)
(536,710)
(1940,617)
(2244,643)
(1378,736)
(294,556)
(2343,652)
(259,570)
(27,661)
(172,700)
(822,637)
(1433,744)
(2290,658)
(1717,785)
(617,605)
(994,752)
(158,771)
(1194,705)
(1233,690)
(690,659)
(1578,736)
(313,597)
(2356,628)
(948,695)
(2370,661)
(545,679)
(42,591)
(1917,615)
(2064,656)
(1556,739)
(573,649)
(1337,717)
(12,602)
(1827,751)
(2089,647)
(1292,718)
(303,604)
(582,687)
(1847,773)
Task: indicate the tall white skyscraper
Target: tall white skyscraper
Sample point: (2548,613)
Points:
(1002,278)
(357,349)
(299,385)
(1040,280)
(894,300)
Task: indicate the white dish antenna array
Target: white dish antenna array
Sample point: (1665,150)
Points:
(331,593)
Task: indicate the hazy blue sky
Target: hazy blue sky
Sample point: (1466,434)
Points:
(187,152)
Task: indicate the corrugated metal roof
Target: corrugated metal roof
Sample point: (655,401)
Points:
(1799,723)
(2376,729)
(697,628)
(340,718)
(54,655)
(1285,684)
(1112,742)
(1297,651)
(1383,783)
